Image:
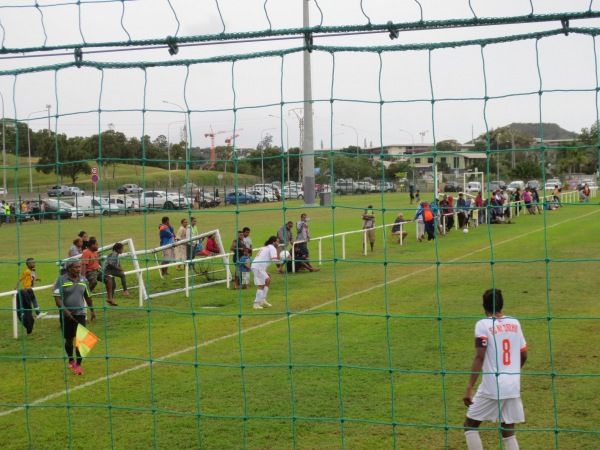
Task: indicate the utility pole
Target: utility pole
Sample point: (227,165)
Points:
(301,130)
(308,158)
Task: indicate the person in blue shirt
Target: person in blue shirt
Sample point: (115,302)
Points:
(245,267)
(167,236)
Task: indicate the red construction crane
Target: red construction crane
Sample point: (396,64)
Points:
(212,135)
(229,140)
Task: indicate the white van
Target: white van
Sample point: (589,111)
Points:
(94,206)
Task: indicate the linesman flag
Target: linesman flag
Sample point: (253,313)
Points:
(85,340)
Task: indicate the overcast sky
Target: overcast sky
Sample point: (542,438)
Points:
(458,78)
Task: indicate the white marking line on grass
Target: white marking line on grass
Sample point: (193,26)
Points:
(270,322)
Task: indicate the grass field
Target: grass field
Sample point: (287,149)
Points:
(370,352)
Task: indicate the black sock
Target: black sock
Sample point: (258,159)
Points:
(69,350)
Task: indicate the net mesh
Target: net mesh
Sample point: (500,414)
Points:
(374,351)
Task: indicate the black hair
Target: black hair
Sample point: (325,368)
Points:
(245,229)
(271,240)
(28,260)
(117,246)
(493,301)
(81,233)
(165,219)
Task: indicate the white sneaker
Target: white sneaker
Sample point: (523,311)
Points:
(257,306)
(265,303)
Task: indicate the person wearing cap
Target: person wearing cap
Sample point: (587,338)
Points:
(368,226)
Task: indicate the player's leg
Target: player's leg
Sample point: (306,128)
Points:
(509,437)
(263,302)
(472,434)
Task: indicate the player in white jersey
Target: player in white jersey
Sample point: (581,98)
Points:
(260,264)
(500,352)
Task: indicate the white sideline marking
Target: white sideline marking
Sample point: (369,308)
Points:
(270,322)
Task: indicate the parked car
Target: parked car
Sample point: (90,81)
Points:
(235,197)
(452,186)
(501,184)
(495,185)
(163,200)
(59,190)
(95,206)
(206,200)
(514,185)
(264,195)
(553,182)
(76,192)
(573,185)
(533,184)
(366,186)
(53,209)
(130,189)
(292,193)
(343,187)
(2,191)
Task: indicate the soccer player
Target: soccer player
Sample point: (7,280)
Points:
(500,352)
(261,263)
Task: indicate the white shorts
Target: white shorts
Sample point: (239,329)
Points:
(245,277)
(510,409)
(260,277)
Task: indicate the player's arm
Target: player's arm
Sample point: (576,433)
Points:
(476,369)
(90,304)
(523,356)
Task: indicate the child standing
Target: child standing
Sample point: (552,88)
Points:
(27,281)
(418,196)
(245,266)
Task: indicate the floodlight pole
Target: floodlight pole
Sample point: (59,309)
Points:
(3,146)
(29,148)
(308,159)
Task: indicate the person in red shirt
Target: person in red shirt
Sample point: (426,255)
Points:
(429,221)
(90,269)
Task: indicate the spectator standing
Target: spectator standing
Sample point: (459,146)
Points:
(90,269)
(556,195)
(302,233)
(429,221)
(411,193)
(420,222)
(237,247)
(182,252)
(479,207)
(500,353)
(285,235)
(418,196)
(166,235)
(247,239)
(27,281)
(112,268)
(262,279)
(71,294)
(462,206)
(245,267)
(368,219)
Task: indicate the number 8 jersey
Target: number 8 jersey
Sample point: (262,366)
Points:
(503,340)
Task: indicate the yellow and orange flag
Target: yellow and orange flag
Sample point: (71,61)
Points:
(85,340)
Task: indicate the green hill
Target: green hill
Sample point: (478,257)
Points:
(552,131)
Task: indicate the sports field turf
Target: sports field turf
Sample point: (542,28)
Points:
(370,352)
